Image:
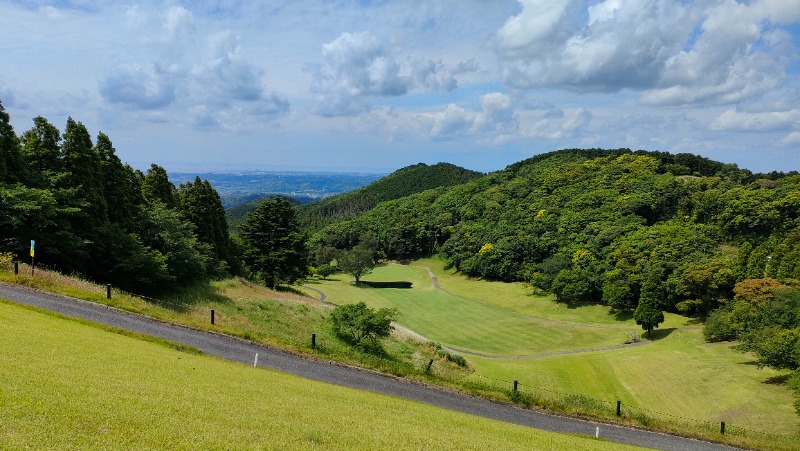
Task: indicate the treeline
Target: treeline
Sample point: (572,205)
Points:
(93,215)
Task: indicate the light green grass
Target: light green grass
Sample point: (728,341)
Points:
(677,374)
(466,323)
(67,385)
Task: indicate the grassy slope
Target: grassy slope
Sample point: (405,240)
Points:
(677,374)
(70,385)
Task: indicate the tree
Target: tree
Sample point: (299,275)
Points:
(11,165)
(357,262)
(357,322)
(202,206)
(274,250)
(41,149)
(648,313)
(324,270)
(157,187)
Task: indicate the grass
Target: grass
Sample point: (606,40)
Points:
(72,385)
(469,324)
(675,374)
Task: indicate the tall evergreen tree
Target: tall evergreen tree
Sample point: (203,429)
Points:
(274,250)
(41,150)
(121,187)
(201,205)
(84,168)
(156,187)
(11,165)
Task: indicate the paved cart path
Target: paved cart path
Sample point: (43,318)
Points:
(238,350)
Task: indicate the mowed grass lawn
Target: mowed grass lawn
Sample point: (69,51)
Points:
(466,323)
(678,373)
(69,385)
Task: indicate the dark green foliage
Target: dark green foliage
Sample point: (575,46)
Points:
(274,249)
(85,209)
(357,322)
(200,205)
(11,164)
(156,187)
(648,313)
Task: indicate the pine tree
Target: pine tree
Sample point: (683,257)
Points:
(274,249)
(201,205)
(41,150)
(156,187)
(84,168)
(11,165)
(121,188)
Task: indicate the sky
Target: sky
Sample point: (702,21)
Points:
(373,86)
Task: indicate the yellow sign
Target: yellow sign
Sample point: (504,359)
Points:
(33,247)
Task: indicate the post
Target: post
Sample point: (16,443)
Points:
(108,291)
(313,341)
(722,428)
(515,385)
(428,369)
(619,408)
(16,268)
(212,316)
(255,362)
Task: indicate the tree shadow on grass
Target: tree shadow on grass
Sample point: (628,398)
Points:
(659,334)
(621,315)
(186,298)
(777,380)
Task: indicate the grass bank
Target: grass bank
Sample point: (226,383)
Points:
(74,386)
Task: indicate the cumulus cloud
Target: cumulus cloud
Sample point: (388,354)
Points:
(148,87)
(358,66)
(210,85)
(496,116)
(673,52)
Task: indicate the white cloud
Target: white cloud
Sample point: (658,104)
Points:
(495,117)
(733,120)
(792,139)
(358,66)
(674,52)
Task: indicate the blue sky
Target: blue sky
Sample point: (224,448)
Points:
(373,86)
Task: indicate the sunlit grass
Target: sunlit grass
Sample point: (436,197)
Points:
(74,386)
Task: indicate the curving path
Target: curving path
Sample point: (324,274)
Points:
(238,350)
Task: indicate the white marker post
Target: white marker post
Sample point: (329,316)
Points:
(255,363)
(597,432)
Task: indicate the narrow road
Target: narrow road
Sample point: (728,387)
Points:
(237,350)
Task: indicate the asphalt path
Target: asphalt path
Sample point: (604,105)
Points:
(238,350)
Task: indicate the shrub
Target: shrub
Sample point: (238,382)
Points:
(357,322)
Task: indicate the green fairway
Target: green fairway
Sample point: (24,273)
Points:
(470,324)
(677,374)
(68,385)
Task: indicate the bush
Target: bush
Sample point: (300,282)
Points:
(357,322)
(718,327)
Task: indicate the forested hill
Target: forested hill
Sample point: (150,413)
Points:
(601,226)
(401,183)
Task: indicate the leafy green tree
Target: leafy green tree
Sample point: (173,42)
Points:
(164,230)
(274,248)
(648,313)
(357,262)
(324,270)
(357,322)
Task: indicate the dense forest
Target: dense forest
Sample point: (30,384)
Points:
(92,215)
